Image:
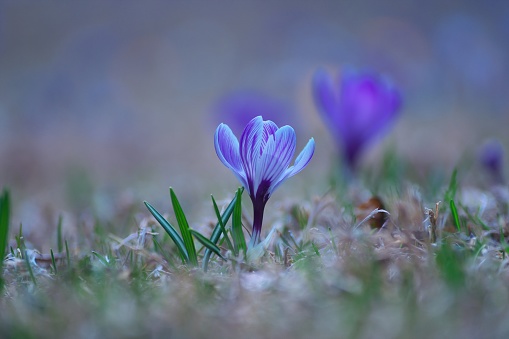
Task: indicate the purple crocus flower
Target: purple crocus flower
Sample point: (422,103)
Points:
(358,108)
(491,157)
(260,160)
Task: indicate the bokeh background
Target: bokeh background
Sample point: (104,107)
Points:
(102,101)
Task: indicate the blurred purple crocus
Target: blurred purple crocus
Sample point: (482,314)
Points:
(357,107)
(491,157)
(260,161)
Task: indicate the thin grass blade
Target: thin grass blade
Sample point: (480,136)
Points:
(60,241)
(207,243)
(239,241)
(5,210)
(450,193)
(67,254)
(171,232)
(53,261)
(101,258)
(216,233)
(455,217)
(220,222)
(184,229)
(29,267)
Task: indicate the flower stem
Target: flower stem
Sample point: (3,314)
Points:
(258,209)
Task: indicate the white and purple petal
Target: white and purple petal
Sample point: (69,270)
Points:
(227,149)
(276,157)
(250,143)
(261,159)
(302,160)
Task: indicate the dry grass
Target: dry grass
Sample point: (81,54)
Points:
(328,272)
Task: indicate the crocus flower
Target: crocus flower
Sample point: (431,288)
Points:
(491,157)
(358,108)
(260,161)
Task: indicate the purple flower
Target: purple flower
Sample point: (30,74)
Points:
(491,157)
(260,161)
(358,108)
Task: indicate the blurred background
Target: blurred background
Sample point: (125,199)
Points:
(102,101)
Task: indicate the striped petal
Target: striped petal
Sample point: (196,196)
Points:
(249,141)
(269,129)
(227,149)
(276,156)
(252,143)
(302,160)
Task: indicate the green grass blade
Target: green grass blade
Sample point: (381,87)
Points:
(455,217)
(451,264)
(316,249)
(221,224)
(5,210)
(53,262)
(101,258)
(29,267)
(20,241)
(171,232)
(207,243)
(67,254)
(239,241)
(450,194)
(60,242)
(184,229)
(216,233)
(475,218)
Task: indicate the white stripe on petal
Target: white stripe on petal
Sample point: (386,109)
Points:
(250,141)
(283,154)
(269,128)
(302,160)
(277,155)
(264,161)
(304,157)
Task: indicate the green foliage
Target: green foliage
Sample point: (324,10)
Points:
(5,210)
(239,241)
(104,260)
(53,262)
(450,193)
(184,241)
(475,218)
(455,216)
(450,260)
(207,243)
(60,241)
(503,244)
(221,226)
(67,254)
(29,268)
(184,229)
(170,230)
